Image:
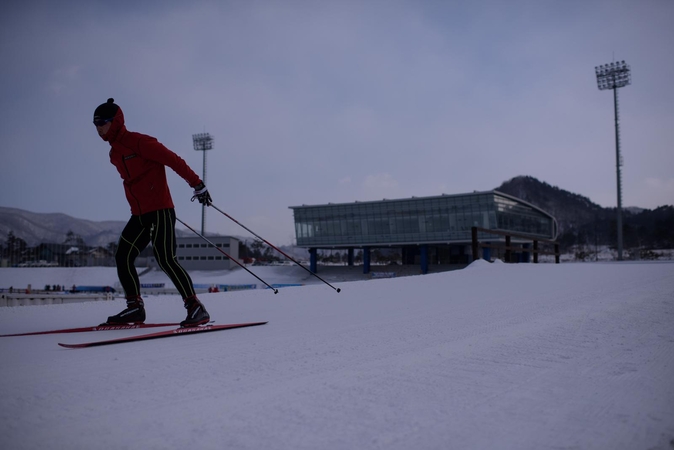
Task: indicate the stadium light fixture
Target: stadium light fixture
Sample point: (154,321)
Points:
(614,76)
(203,142)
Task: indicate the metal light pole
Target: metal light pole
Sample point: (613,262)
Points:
(613,76)
(203,142)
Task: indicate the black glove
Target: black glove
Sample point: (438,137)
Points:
(201,194)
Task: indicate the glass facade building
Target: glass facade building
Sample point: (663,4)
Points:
(445,219)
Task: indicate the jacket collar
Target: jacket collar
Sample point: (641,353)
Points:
(116,127)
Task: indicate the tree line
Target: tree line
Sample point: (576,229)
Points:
(73,251)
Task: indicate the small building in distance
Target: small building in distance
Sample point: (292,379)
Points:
(194,253)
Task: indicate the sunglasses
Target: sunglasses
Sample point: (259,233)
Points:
(101,122)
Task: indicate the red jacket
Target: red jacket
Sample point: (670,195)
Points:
(141,161)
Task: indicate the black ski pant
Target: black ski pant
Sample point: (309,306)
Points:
(157,227)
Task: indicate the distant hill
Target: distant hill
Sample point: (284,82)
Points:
(582,221)
(36,228)
(571,210)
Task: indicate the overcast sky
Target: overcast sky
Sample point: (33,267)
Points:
(314,102)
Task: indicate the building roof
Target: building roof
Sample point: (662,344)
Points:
(432,197)
(357,202)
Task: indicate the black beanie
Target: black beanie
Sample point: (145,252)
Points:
(106,111)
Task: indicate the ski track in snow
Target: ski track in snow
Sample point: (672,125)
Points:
(571,356)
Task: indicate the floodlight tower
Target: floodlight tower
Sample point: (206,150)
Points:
(613,76)
(203,142)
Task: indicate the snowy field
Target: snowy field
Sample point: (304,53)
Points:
(495,356)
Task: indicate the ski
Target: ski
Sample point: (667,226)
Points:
(101,327)
(163,334)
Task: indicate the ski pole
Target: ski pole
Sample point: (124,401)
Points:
(225,253)
(272,246)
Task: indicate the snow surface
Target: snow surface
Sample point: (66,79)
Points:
(570,356)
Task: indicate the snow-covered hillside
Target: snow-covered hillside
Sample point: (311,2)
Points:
(493,356)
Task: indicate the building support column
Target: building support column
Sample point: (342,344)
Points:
(350,257)
(525,254)
(366,260)
(486,253)
(313,260)
(424,258)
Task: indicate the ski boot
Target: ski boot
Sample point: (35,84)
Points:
(196,313)
(134,313)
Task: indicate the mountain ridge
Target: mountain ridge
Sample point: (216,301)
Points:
(36,228)
(583,222)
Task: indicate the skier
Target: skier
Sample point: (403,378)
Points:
(140,161)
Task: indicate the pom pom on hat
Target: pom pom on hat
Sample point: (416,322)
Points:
(106,111)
